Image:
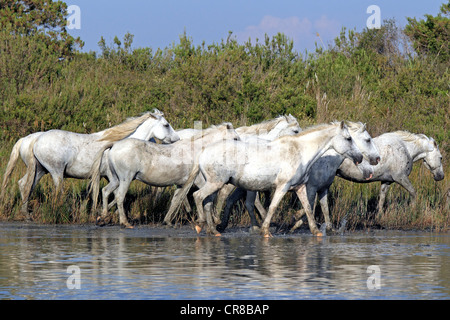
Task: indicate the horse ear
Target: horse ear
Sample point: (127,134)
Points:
(435,143)
(363,127)
(229,125)
(343,125)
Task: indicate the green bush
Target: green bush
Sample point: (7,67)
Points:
(365,76)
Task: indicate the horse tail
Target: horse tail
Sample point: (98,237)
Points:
(31,171)
(95,174)
(179,196)
(15,153)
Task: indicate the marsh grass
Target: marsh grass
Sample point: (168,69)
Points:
(241,83)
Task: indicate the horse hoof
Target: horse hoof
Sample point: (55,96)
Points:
(198,229)
(100,222)
(254,230)
(217,235)
(319,234)
(268,235)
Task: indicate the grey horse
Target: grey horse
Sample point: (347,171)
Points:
(282,164)
(69,154)
(399,150)
(320,178)
(154,164)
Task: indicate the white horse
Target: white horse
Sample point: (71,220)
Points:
(321,177)
(259,133)
(68,154)
(154,164)
(269,129)
(282,164)
(399,150)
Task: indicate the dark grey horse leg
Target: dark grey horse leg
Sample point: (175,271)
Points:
(250,205)
(237,194)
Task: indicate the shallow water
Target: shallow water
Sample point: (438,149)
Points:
(37,262)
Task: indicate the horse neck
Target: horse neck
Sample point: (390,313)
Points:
(274,133)
(312,146)
(144,131)
(261,131)
(417,151)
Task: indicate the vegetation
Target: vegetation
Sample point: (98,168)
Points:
(389,78)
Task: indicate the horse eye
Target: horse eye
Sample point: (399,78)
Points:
(295,131)
(166,125)
(348,139)
(368,140)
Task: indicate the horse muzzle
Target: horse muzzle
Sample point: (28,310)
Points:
(438,176)
(374,161)
(357,159)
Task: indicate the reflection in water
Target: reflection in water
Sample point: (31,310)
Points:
(145,264)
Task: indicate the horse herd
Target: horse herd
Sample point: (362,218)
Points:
(223,163)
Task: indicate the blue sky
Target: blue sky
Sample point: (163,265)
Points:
(158,24)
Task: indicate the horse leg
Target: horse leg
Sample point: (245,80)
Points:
(187,205)
(106,191)
(237,194)
(25,194)
(383,191)
(277,196)
(58,182)
(169,215)
(120,194)
(222,198)
(405,183)
(250,205)
(208,205)
(266,199)
(199,196)
(307,201)
(323,200)
(262,211)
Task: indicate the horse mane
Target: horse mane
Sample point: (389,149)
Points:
(127,127)
(204,132)
(264,126)
(410,137)
(355,126)
(317,127)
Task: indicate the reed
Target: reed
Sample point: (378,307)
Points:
(240,83)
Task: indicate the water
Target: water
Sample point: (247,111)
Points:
(149,263)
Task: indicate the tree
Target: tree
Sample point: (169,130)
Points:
(431,36)
(42,19)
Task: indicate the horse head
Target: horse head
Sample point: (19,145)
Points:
(157,126)
(433,160)
(364,142)
(345,145)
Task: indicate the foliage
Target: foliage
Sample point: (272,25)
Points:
(369,76)
(39,18)
(431,36)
